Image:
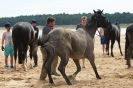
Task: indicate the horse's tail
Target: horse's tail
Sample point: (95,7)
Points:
(18,46)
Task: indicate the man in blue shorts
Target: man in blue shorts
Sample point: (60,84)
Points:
(103,38)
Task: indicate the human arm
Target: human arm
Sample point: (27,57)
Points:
(2,43)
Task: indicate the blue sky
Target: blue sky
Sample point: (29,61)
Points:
(13,8)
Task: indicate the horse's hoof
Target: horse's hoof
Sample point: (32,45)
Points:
(15,68)
(69,83)
(128,67)
(99,77)
(71,77)
(25,69)
(42,78)
(107,54)
(35,66)
(51,84)
(31,67)
(112,55)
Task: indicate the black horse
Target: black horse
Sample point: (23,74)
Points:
(23,36)
(129,45)
(112,33)
(72,44)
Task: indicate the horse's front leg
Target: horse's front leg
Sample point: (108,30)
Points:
(112,45)
(107,47)
(25,57)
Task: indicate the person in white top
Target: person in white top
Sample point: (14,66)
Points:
(7,45)
(103,38)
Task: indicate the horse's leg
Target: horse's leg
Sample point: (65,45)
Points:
(25,66)
(118,40)
(33,53)
(126,45)
(129,54)
(91,59)
(25,56)
(43,74)
(50,57)
(30,56)
(112,45)
(48,68)
(76,61)
(107,47)
(61,68)
(15,55)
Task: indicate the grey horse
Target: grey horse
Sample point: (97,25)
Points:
(72,44)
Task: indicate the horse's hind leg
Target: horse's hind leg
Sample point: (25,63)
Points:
(61,68)
(15,54)
(112,45)
(118,40)
(43,74)
(30,51)
(91,59)
(76,61)
(129,54)
(25,56)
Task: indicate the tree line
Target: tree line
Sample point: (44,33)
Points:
(68,19)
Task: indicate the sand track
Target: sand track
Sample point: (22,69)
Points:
(113,71)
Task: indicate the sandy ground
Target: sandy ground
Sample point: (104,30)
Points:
(113,71)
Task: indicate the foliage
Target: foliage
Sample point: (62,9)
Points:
(68,19)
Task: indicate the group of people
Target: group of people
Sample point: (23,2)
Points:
(7,44)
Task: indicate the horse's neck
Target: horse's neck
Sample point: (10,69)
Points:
(92,30)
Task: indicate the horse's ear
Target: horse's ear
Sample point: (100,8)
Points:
(94,11)
(102,11)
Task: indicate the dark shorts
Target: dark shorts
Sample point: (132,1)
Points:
(103,40)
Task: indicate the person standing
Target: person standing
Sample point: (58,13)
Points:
(49,27)
(7,45)
(34,46)
(102,38)
(82,25)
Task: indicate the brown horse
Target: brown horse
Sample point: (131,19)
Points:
(129,45)
(23,36)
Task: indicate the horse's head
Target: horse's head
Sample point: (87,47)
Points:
(98,11)
(98,19)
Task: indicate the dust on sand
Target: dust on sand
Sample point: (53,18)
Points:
(112,70)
